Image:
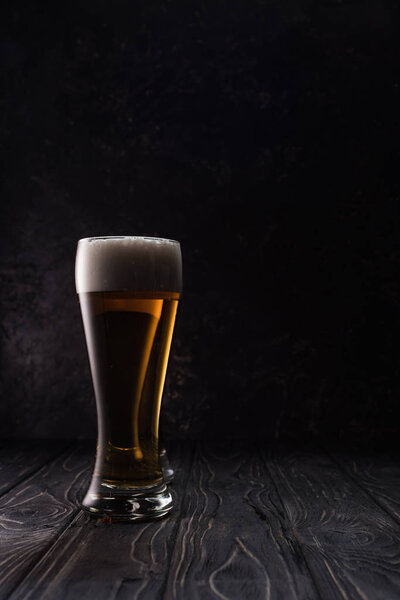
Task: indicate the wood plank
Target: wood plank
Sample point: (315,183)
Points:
(352,547)
(97,559)
(19,459)
(230,543)
(378,474)
(35,512)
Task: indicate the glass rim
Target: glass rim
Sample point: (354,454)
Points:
(128,237)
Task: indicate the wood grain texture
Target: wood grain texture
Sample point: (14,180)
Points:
(19,459)
(351,545)
(35,512)
(97,559)
(277,524)
(377,474)
(230,543)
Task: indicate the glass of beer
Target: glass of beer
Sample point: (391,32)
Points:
(128,289)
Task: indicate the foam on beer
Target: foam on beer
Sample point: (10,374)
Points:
(106,264)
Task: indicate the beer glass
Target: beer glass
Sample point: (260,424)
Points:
(128,289)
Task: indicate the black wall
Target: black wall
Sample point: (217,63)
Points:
(264,135)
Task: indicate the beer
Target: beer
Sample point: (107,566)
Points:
(128,288)
(128,337)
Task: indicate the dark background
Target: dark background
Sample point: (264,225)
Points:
(264,135)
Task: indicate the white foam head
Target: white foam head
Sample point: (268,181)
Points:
(124,263)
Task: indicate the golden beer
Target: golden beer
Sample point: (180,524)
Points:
(128,334)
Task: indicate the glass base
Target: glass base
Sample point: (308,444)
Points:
(168,472)
(127,504)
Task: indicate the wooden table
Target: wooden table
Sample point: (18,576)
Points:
(283,523)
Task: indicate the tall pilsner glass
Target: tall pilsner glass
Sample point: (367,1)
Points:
(128,289)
